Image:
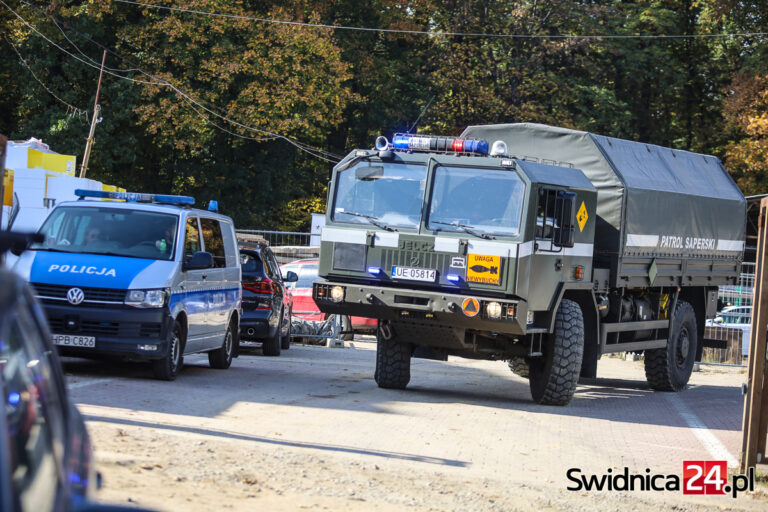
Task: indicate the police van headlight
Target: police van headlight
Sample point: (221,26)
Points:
(146,298)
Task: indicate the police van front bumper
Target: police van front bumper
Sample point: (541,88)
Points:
(468,310)
(140,333)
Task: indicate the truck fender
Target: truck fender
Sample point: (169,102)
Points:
(582,294)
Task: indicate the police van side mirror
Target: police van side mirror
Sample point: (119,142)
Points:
(199,261)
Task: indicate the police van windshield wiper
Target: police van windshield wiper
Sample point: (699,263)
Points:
(466,229)
(370,218)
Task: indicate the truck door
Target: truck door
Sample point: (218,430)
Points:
(554,232)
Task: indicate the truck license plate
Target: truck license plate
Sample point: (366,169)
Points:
(67,340)
(414,274)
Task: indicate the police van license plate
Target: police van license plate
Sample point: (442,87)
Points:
(67,340)
(414,274)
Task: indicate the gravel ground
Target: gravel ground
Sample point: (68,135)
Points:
(310,431)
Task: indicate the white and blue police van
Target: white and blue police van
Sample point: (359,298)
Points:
(143,276)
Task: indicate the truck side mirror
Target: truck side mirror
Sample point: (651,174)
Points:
(565,212)
(199,261)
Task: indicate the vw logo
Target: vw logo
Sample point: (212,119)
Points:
(75,296)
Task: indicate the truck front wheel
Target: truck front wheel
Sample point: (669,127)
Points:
(393,359)
(553,376)
(669,368)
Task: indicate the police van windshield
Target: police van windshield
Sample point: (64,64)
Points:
(383,194)
(110,231)
(483,201)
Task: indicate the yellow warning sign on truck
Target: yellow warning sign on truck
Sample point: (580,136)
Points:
(483,269)
(581,216)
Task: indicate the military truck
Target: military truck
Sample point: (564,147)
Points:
(542,246)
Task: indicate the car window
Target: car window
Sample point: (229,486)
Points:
(274,267)
(33,413)
(307,276)
(251,263)
(191,238)
(213,241)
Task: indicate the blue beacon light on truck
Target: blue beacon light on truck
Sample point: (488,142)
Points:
(136,197)
(405,142)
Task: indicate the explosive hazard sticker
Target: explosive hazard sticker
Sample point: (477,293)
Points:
(483,269)
(581,216)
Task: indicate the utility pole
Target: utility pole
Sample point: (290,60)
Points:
(94,120)
(755,420)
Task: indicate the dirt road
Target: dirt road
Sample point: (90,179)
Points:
(311,431)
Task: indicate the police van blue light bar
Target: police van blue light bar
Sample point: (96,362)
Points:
(437,143)
(135,197)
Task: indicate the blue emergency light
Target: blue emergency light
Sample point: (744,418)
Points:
(136,197)
(407,142)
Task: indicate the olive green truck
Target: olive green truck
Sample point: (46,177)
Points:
(541,246)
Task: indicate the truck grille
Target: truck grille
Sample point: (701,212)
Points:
(437,261)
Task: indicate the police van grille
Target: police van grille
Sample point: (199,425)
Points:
(56,291)
(113,329)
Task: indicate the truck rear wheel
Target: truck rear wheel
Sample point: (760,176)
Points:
(554,375)
(669,368)
(393,360)
(519,366)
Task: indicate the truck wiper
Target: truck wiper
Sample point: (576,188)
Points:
(370,218)
(466,229)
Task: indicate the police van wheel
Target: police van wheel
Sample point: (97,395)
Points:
(554,375)
(168,367)
(519,366)
(271,346)
(221,358)
(669,368)
(393,360)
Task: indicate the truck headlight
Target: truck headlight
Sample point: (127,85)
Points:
(146,298)
(493,310)
(337,293)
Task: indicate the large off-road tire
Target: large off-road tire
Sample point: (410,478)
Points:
(271,346)
(168,367)
(553,376)
(393,360)
(519,366)
(221,358)
(285,341)
(669,368)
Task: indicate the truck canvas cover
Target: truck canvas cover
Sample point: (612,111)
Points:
(652,201)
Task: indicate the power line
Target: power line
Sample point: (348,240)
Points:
(441,33)
(188,99)
(77,111)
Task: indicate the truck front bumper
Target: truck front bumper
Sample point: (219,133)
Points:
(439,308)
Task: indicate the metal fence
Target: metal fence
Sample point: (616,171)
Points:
(286,246)
(733,320)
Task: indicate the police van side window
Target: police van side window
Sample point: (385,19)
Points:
(214,242)
(191,238)
(230,243)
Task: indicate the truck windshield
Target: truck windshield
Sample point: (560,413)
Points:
(382,194)
(481,200)
(110,231)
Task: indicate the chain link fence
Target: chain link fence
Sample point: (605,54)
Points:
(286,246)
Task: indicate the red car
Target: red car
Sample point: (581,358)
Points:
(304,306)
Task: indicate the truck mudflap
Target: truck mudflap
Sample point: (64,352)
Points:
(448,309)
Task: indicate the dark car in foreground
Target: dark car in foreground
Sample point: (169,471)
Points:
(45,452)
(266,302)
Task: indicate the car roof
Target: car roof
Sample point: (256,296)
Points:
(307,261)
(150,207)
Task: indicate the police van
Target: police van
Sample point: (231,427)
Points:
(143,276)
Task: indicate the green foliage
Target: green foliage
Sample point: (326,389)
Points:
(336,90)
